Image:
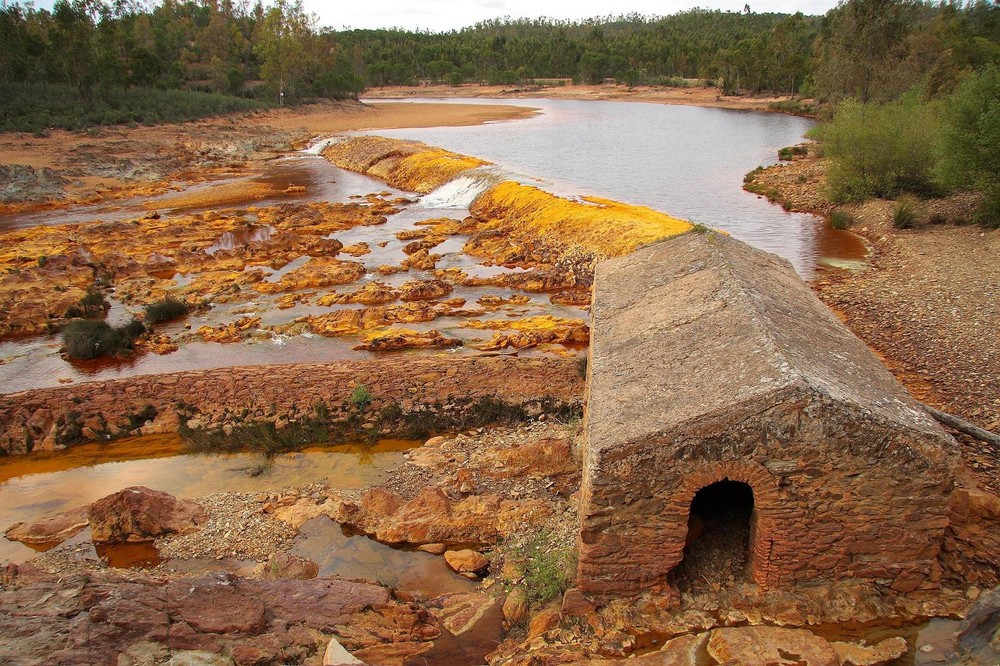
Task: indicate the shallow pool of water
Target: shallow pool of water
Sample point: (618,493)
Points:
(39,485)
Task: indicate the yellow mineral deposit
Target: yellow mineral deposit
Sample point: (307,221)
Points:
(406,165)
(529,216)
(531,332)
(317,272)
(394,339)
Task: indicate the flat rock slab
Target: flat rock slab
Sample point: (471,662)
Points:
(770,646)
(51,530)
(94,619)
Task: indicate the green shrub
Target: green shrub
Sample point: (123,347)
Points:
(905,213)
(880,150)
(165,310)
(841,219)
(87,339)
(361,397)
(790,152)
(548,567)
(969,148)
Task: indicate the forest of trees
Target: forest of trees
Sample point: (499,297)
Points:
(868,49)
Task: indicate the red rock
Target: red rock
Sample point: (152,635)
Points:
(542,622)
(884,652)
(575,604)
(515,606)
(763,646)
(466,561)
(433,548)
(283,565)
(141,514)
(217,607)
(51,530)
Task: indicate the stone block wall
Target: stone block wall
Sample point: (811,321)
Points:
(836,497)
(276,393)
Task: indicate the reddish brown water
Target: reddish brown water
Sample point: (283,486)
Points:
(38,485)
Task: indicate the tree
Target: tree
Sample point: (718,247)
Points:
(864,48)
(970,140)
(281,42)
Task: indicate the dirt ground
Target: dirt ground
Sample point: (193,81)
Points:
(693,96)
(121,161)
(928,303)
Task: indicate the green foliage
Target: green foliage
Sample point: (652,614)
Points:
(88,339)
(361,397)
(905,213)
(791,152)
(880,150)
(548,566)
(970,140)
(841,219)
(26,107)
(165,310)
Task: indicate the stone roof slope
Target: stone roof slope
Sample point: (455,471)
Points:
(701,323)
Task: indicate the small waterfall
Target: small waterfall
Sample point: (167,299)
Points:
(230,240)
(462,191)
(319,145)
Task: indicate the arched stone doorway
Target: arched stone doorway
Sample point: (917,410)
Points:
(720,534)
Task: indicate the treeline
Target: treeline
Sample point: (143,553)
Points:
(211,46)
(915,101)
(869,50)
(745,51)
(99,62)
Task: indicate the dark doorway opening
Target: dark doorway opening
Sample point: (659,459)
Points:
(717,546)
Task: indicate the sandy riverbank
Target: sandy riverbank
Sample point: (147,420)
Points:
(693,96)
(104,162)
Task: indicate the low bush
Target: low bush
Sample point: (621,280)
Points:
(548,567)
(880,150)
(841,219)
(361,397)
(790,152)
(905,213)
(166,310)
(87,339)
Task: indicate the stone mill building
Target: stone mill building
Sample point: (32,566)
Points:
(727,402)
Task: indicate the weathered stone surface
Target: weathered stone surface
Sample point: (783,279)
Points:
(50,530)
(140,514)
(575,604)
(542,622)
(466,561)
(757,382)
(74,620)
(972,545)
(852,654)
(979,638)
(515,606)
(766,646)
(218,608)
(280,391)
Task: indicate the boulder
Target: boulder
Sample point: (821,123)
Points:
(979,638)
(515,606)
(575,604)
(542,622)
(766,646)
(51,530)
(286,566)
(466,561)
(217,607)
(141,514)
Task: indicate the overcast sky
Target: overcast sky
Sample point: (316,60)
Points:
(442,15)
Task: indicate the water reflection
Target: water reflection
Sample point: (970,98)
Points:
(340,553)
(35,486)
(683,160)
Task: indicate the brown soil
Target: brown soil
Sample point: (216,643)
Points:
(928,303)
(693,96)
(145,159)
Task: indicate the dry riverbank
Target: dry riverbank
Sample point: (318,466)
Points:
(927,304)
(691,96)
(114,162)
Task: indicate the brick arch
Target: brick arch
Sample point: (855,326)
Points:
(765,499)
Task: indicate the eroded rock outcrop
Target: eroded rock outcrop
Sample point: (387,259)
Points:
(140,514)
